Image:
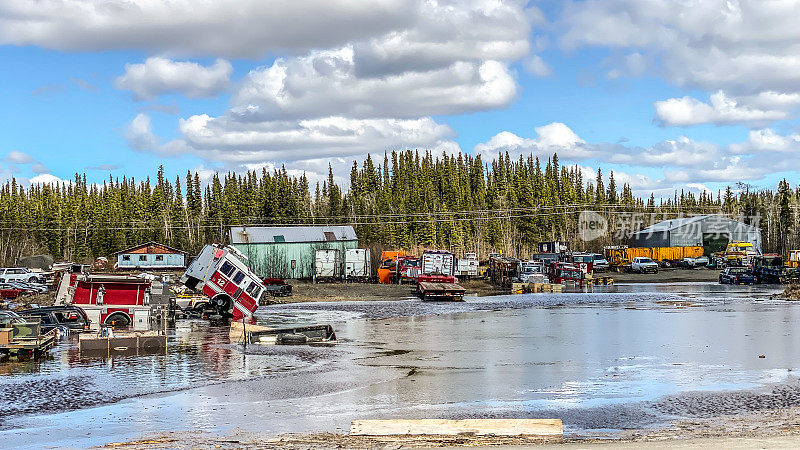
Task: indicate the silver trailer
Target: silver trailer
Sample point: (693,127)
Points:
(468,265)
(438,262)
(327,265)
(357,264)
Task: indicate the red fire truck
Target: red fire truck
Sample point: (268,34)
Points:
(119,300)
(219,273)
(566,273)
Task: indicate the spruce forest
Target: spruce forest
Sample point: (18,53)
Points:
(409,200)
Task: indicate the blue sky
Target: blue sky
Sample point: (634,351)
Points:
(666,94)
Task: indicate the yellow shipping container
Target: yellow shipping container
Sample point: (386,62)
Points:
(618,257)
(676,253)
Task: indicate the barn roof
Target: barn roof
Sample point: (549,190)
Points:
(673,224)
(151,248)
(271,235)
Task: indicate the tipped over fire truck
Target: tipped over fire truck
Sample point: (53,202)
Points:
(219,273)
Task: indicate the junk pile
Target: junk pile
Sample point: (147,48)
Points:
(20,337)
(107,342)
(261,335)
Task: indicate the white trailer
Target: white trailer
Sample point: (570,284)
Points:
(327,265)
(438,262)
(357,264)
(468,265)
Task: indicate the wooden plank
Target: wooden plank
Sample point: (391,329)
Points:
(236,333)
(478,427)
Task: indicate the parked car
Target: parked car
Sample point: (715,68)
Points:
(7,318)
(737,275)
(691,263)
(34,287)
(11,291)
(20,274)
(600,262)
(71,318)
(642,264)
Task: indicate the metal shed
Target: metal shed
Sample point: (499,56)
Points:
(711,231)
(288,252)
(151,256)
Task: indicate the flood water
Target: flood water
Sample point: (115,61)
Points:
(626,356)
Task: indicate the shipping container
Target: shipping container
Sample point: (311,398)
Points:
(327,265)
(666,256)
(357,264)
(438,262)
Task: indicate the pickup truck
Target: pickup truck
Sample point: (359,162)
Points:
(600,262)
(737,275)
(642,264)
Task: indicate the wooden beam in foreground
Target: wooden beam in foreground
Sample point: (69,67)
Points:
(478,427)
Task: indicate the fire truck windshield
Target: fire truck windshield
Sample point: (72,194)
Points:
(227,268)
(238,277)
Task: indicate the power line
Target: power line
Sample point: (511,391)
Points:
(506,214)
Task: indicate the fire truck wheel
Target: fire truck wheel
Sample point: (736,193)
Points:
(118,319)
(222,303)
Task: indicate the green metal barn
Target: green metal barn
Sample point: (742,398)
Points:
(288,252)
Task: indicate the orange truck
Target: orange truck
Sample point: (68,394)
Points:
(387,270)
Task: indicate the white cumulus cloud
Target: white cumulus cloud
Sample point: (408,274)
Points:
(240,28)
(686,111)
(748,49)
(325,83)
(157,76)
(47,178)
(552,138)
(448,31)
(535,65)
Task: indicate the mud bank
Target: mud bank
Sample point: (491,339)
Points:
(775,428)
(792,292)
(305,291)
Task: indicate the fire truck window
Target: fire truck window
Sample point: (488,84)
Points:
(227,268)
(238,277)
(252,289)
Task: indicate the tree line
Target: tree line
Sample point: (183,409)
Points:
(409,199)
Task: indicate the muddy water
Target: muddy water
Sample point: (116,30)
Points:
(621,357)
